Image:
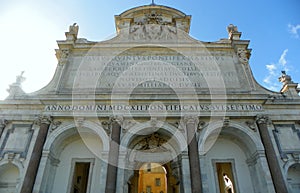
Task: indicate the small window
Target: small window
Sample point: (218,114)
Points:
(149,167)
(157,182)
(80,177)
(148,189)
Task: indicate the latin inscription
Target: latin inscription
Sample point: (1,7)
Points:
(154,71)
(155,107)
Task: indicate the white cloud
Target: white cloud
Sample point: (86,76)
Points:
(293,29)
(282,60)
(274,71)
(27,45)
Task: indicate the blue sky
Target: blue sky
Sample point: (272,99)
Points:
(29,30)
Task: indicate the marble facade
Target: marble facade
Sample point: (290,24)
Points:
(152,94)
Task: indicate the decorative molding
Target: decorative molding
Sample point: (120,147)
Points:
(107,124)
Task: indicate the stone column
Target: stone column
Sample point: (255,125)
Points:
(113,156)
(33,165)
(191,127)
(185,184)
(3,124)
(277,177)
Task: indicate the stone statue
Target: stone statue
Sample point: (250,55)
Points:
(285,79)
(73,29)
(228,184)
(20,79)
(15,89)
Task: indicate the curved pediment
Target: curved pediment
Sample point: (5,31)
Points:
(144,16)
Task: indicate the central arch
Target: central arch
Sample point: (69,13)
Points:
(161,148)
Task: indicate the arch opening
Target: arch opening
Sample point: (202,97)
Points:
(9,178)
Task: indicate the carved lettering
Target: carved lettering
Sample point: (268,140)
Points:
(153,107)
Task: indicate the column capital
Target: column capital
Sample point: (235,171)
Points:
(262,119)
(191,119)
(116,118)
(43,119)
(3,123)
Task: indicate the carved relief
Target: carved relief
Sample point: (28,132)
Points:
(152,143)
(79,121)
(106,127)
(54,125)
(153,27)
(251,124)
(107,124)
(242,54)
(63,55)
(152,32)
(201,125)
(127,124)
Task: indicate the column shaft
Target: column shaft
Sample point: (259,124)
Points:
(3,124)
(193,157)
(277,177)
(113,156)
(35,158)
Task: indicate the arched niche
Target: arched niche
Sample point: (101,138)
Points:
(9,178)
(241,150)
(246,138)
(67,146)
(293,178)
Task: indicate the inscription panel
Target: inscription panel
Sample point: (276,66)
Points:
(152,71)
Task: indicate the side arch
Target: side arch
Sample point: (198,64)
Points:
(69,128)
(9,177)
(249,140)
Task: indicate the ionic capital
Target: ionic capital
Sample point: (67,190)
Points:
(117,118)
(262,119)
(191,119)
(43,119)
